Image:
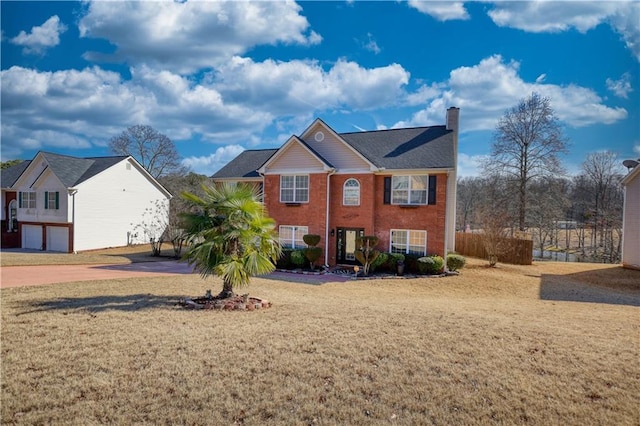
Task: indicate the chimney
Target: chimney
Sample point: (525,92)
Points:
(453,115)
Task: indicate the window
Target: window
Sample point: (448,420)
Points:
(291,236)
(409,189)
(408,241)
(27,200)
(351,193)
(294,189)
(52,200)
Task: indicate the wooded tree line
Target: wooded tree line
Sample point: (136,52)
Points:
(579,214)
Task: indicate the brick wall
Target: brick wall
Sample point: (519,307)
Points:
(430,218)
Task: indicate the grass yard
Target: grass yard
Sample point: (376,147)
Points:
(551,343)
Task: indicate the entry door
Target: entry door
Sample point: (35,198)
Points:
(346,240)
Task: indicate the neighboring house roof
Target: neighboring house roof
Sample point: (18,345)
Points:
(73,170)
(10,175)
(412,148)
(245,165)
(394,149)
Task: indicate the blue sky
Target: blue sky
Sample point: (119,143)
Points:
(221,77)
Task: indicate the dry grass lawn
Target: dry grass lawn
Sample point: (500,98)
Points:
(118,255)
(545,344)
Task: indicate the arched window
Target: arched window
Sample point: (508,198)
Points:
(351,193)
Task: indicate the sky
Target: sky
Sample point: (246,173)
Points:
(221,77)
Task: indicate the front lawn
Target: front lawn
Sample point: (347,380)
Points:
(551,343)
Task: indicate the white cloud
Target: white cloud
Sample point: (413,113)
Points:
(42,37)
(470,165)
(371,44)
(636,149)
(155,33)
(621,87)
(230,106)
(209,164)
(557,16)
(484,91)
(441,10)
(541,78)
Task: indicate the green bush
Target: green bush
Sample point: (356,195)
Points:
(311,240)
(298,258)
(379,261)
(455,262)
(312,254)
(284,262)
(430,264)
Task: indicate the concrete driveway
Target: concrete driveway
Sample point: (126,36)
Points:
(21,276)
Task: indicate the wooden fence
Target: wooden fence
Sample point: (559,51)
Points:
(516,251)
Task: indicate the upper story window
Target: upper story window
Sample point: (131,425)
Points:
(409,189)
(409,241)
(52,200)
(27,200)
(294,189)
(351,193)
(291,236)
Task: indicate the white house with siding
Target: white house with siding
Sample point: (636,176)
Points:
(69,204)
(631,219)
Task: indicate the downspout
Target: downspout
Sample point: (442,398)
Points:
(73,192)
(326,227)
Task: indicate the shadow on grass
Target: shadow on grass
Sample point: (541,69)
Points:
(615,285)
(96,304)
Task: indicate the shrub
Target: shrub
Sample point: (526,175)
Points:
(430,264)
(311,240)
(297,257)
(379,261)
(312,254)
(284,262)
(455,261)
(365,251)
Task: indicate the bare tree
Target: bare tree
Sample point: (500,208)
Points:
(602,172)
(153,150)
(527,142)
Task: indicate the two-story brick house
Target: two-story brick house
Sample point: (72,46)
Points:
(397,184)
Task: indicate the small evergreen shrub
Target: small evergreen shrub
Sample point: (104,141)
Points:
(379,261)
(455,261)
(312,254)
(284,262)
(298,258)
(311,240)
(430,264)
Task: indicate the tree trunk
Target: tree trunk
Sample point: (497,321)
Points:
(227,290)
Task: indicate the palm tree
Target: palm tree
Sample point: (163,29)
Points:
(230,235)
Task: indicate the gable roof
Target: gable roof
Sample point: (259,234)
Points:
(394,149)
(245,165)
(10,175)
(73,170)
(410,148)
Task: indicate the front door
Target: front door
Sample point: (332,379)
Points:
(346,241)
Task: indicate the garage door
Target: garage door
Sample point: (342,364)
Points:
(57,238)
(32,237)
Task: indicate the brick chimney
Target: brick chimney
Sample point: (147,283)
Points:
(453,117)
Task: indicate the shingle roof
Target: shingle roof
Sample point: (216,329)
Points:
(412,148)
(394,149)
(73,170)
(245,165)
(10,175)
(70,170)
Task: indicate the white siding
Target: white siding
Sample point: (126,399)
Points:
(110,205)
(631,232)
(296,158)
(32,237)
(48,182)
(57,238)
(334,150)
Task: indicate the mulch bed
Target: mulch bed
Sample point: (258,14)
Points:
(234,303)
